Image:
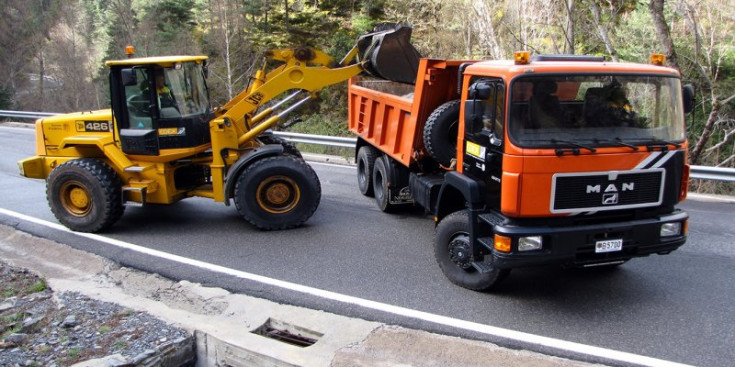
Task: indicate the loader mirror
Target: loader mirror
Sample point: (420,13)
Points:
(128,77)
(687,93)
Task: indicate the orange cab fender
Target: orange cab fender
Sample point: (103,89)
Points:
(459,192)
(246,159)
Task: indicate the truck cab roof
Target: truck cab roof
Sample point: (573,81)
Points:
(509,69)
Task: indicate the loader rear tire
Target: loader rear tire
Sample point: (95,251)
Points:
(440,133)
(85,195)
(365,163)
(278,192)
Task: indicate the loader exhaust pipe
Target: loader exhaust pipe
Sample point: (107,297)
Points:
(387,53)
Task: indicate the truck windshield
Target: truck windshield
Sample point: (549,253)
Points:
(595,110)
(187,88)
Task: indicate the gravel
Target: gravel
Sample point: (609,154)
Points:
(39,327)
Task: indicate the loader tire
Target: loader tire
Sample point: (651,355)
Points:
(365,163)
(278,192)
(453,254)
(288,147)
(85,195)
(440,133)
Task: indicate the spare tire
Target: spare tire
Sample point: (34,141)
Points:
(440,133)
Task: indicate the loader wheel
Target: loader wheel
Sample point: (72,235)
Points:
(365,163)
(452,251)
(85,195)
(288,147)
(278,192)
(440,133)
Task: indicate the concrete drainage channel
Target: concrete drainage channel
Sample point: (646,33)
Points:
(239,330)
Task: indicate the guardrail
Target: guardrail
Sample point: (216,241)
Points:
(697,172)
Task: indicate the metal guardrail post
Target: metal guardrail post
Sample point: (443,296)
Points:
(697,172)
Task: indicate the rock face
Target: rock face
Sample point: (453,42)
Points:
(40,328)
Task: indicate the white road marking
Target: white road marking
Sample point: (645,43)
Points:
(559,344)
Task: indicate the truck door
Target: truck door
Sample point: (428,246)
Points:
(483,135)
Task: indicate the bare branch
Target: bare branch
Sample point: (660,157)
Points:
(726,140)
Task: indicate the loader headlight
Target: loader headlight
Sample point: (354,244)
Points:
(670,229)
(530,243)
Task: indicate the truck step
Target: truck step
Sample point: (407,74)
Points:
(487,242)
(143,193)
(482,267)
(492,219)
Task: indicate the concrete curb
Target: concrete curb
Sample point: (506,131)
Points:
(222,323)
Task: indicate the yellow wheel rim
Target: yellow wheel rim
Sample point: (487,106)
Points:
(75,198)
(278,194)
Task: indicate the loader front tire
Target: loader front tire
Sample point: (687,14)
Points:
(85,195)
(278,192)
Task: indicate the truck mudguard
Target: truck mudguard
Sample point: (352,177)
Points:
(245,159)
(457,191)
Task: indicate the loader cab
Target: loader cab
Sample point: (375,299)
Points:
(160,104)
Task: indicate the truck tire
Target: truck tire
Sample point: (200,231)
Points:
(440,133)
(452,253)
(288,147)
(381,185)
(365,163)
(85,195)
(278,192)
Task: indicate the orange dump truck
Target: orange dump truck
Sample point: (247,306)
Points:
(554,159)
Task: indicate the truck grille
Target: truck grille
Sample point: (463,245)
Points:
(596,191)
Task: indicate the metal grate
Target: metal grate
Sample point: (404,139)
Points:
(600,191)
(287,333)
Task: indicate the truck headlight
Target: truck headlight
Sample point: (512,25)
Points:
(530,243)
(670,229)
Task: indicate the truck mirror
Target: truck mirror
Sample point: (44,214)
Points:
(480,90)
(128,77)
(473,115)
(688,97)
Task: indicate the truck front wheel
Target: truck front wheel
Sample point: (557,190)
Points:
(85,195)
(453,253)
(278,192)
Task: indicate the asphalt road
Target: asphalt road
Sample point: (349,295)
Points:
(677,307)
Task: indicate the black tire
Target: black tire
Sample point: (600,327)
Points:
(288,147)
(440,133)
(278,192)
(452,253)
(365,163)
(381,185)
(85,195)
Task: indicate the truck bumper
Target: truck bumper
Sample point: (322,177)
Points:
(575,246)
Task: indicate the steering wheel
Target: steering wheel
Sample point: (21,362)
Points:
(139,105)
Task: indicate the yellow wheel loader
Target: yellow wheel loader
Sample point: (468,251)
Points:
(161,141)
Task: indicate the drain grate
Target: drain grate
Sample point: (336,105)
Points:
(287,333)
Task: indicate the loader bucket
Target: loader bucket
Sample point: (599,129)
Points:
(389,54)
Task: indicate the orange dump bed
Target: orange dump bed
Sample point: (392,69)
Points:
(391,115)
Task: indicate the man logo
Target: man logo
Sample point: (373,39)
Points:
(609,199)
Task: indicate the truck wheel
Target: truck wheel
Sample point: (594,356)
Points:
(440,133)
(288,147)
(85,195)
(278,192)
(365,163)
(381,186)
(452,252)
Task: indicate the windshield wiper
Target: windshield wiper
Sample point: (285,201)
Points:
(560,151)
(617,141)
(661,144)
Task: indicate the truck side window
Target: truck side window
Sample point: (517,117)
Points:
(494,109)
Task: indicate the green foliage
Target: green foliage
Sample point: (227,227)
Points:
(38,286)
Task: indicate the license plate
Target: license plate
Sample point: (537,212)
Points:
(608,246)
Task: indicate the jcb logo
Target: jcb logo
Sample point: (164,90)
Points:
(256,98)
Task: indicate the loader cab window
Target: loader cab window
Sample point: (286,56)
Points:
(137,98)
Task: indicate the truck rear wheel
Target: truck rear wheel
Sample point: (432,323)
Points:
(453,253)
(85,195)
(278,192)
(381,185)
(365,163)
(440,133)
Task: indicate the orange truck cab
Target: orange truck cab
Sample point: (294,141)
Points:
(559,159)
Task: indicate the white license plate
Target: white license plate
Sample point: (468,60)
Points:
(608,246)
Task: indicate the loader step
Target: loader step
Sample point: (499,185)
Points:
(143,194)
